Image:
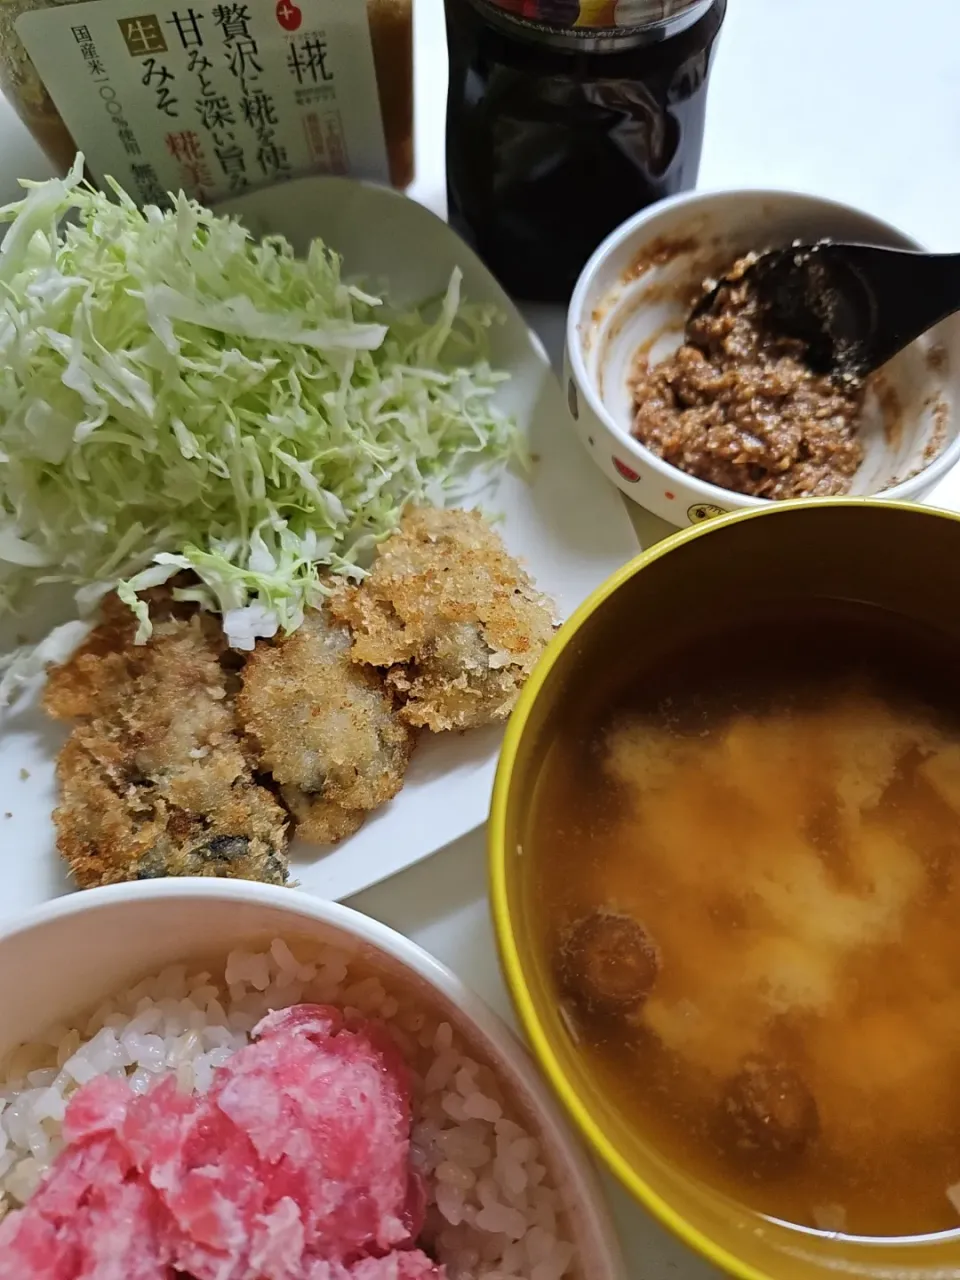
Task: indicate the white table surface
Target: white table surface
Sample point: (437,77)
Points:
(856,99)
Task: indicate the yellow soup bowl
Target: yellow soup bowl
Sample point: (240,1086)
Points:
(901,558)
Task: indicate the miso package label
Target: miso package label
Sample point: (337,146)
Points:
(215,99)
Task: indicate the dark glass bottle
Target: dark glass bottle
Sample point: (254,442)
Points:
(557,133)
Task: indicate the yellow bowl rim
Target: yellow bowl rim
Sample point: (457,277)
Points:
(497,862)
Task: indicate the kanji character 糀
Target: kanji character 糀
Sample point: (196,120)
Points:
(187,149)
(309,58)
(259,110)
(184,146)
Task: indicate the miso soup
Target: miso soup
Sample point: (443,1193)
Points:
(744,874)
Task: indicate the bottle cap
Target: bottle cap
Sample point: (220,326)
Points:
(604,15)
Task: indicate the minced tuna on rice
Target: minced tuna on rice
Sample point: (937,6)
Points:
(491,1211)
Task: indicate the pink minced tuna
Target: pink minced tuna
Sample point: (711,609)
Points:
(294,1166)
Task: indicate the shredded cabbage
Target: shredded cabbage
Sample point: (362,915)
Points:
(176,395)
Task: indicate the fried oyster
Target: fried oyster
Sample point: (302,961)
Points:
(153,779)
(451,617)
(187,759)
(326,728)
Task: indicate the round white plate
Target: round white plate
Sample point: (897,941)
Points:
(566,522)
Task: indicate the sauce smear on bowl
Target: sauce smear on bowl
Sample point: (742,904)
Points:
(744,874)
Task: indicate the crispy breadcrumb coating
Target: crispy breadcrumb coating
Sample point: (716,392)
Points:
(153,779)
(454,620)
(97,675)
(324,727)
(320,821)
(182,753)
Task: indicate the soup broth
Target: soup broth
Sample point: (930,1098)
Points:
(744,873)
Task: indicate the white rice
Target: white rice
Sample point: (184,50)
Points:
(493,1210)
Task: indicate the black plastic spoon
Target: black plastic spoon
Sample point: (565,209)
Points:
(853,305)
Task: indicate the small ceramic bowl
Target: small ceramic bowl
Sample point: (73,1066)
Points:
(71,955)
(635,294)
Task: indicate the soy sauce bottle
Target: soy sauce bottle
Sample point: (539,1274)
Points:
(564,117)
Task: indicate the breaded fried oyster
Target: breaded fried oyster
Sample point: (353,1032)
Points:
(325,727)
(153,778)
(190,758)
(451,617)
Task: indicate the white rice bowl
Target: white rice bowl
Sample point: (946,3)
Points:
(495,1210)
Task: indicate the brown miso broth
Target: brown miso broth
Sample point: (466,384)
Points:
(743,871)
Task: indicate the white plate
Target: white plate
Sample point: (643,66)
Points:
(567,523)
